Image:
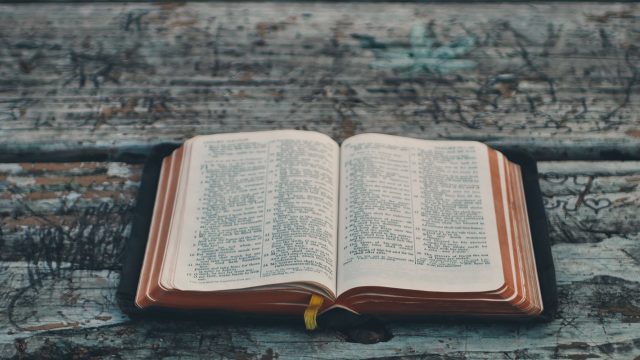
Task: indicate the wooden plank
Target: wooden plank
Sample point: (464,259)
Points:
(59,305)
(560,79)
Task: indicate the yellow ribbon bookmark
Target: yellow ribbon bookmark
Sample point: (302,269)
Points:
(312,311)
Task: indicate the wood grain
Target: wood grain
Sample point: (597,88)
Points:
(107,81)
(58,290)
(560,79)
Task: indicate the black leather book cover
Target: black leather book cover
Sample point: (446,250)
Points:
(136,245)
(133,252)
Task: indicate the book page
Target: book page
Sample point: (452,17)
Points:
(417,214)
(260,209)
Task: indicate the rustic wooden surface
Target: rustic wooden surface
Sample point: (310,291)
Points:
(115,78)
(109,80)
(64,226)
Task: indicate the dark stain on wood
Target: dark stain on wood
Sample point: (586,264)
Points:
(66,350)
(604,18)
(368,333)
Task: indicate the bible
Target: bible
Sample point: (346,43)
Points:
(290,222)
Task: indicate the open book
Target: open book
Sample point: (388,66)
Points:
(266,221)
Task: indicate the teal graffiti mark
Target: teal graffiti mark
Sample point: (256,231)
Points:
(423,54)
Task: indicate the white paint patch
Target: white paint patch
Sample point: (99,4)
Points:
(72,196)
(21,180)
(118,169)
(22,266)
(10,168)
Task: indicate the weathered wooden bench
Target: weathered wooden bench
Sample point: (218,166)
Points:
(102,83)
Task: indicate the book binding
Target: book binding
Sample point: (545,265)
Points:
(136,245)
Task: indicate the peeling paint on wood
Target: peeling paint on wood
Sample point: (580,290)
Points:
(423,54)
